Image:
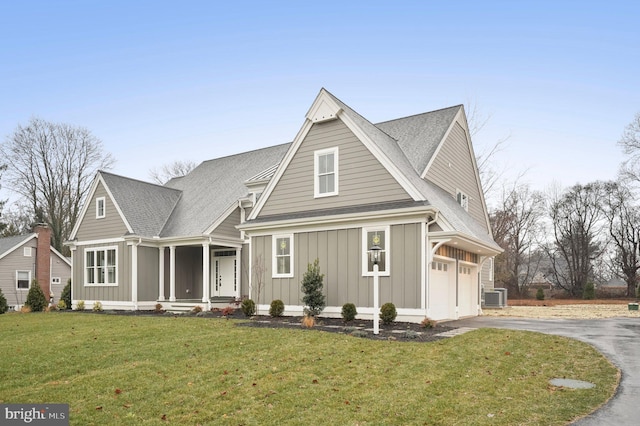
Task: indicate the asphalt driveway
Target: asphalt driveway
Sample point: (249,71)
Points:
(616,338)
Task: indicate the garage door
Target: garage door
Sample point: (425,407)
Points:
(466,299)
(441,297)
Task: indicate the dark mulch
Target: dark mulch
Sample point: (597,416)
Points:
(399,331)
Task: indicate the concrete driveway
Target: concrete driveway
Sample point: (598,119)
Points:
(616,338)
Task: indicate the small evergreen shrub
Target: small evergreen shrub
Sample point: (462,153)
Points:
(388,313)
(540,294)
(62,305)
(97,306)
(277,308)
(248,307)
(359,333)
(4,306)
(66,294)
(410,334)
(80,305)
(312,288)
(349,312)
(36,300)
(589,292)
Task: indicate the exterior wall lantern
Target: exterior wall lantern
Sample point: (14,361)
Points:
(374,255)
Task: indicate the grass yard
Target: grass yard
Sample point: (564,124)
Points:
(186,370)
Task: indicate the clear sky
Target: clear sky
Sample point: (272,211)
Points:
(161,81)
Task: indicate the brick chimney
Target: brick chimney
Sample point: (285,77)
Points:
(43,256)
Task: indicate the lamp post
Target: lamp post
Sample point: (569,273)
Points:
(374,254)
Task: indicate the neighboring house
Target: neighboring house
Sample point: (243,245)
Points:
(27,257)
(247,225)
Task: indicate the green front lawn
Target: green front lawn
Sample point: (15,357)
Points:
(186,370)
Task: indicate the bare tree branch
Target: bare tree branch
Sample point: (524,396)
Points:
(172,170)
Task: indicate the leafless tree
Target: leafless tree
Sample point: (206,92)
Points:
(51,165)
(623,218)
(577,224)
(172,170)
(630,143)
(517,226)
(258,270)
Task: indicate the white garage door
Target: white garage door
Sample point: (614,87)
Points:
(442,299)
(466,293)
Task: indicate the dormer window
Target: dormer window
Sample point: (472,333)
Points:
(326,172)
(100,208)
(463,200)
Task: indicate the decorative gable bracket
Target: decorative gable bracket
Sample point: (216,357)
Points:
(323,109)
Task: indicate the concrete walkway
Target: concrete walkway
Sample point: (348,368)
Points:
(616,338)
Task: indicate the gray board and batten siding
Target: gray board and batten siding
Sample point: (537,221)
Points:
(361,177)
(340,259)
(452,169)
(121,292)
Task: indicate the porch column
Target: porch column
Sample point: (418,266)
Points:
(238,273)
(134,275)
(172,273)
(161,275)
(205,272)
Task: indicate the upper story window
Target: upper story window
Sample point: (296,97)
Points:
(375,236)
(463,199)
(282,265)
(100,208)
(326,172)
(26,251)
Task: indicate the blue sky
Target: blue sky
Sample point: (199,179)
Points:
(193,80)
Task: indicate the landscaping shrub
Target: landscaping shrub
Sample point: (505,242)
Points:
(97,306)
(80,305)
(388,313)
(308,321)
(589,292)
(248,307)
(62,305)
(197,309)
(540,294)
(36,301)
(158,308)
(312,289)
(4,307)
(66,295)
(349,312)
(228,311)
(277,308)
(428,323)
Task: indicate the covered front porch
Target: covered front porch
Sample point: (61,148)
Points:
(207,275)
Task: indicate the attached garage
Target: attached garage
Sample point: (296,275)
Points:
(467,304)
(442,297)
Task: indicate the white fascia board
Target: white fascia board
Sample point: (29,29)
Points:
(222,218)
(383,159)
(26,239)
(406,215)
(302,133)
(57,253)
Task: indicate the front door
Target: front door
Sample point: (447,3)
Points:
(223,274)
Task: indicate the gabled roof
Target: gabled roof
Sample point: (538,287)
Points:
(9,244)
(418,136)
(212,187)
(146,206)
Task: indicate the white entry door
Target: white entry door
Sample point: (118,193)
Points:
(223,274)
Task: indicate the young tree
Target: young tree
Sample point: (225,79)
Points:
(169,171)
(36,299)
(312,288)
(623,219)
(517,226)
(51,165)
(577,222)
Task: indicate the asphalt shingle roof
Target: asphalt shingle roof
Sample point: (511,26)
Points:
(7,243)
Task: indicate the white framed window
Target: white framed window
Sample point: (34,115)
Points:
(464,270)
(325,166)
(439,266)
(376,236)
(101,266)
(463,199)
(23,278)
(26,251)
(282,263)
(55,280)
(100,208)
